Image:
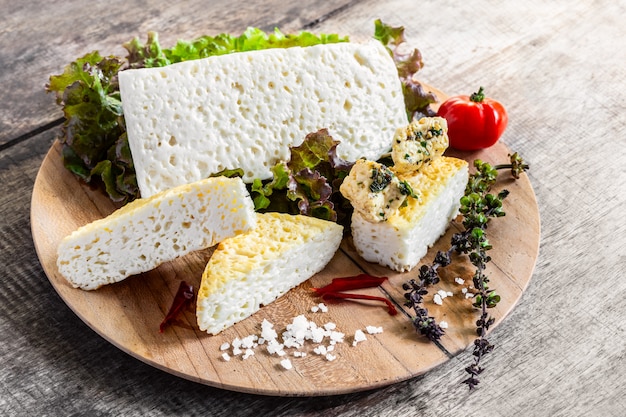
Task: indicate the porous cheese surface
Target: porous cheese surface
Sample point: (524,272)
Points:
(419,143)
(147,232)
(373,190)
(257,267)
(195,118)
(401,241)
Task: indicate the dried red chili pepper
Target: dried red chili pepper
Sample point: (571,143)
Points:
(183,296)
(347,296)
(350,283)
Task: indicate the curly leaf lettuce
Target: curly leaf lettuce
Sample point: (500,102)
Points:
(150,54)
(416,99)
(308,183)
(93,133)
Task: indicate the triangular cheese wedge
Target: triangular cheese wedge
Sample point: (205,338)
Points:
(404,238)
(147,232)
(257,267)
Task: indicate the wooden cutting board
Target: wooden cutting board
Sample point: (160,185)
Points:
(128,314)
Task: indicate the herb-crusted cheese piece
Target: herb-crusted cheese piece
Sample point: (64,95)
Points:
(147,232)
(401,241)
(257,267)
(419,143)
(192,119)
(373,190)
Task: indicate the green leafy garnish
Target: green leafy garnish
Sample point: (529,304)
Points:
(308,183)
(151,54)
(93,134)
(478,207)
(416,99)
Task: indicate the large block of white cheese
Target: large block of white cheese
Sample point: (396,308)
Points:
(147,232)
(243,110)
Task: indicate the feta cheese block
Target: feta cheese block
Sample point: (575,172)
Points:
(257,267)
(147,232)
(400,242)
(243,110)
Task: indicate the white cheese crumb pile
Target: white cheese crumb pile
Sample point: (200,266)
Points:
(297,335)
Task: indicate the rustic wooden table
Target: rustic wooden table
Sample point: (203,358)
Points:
(559,67)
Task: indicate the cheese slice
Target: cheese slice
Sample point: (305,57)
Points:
(419,143)
(400,242)
(255,268)
(147,232)
(374,191)
(243,110)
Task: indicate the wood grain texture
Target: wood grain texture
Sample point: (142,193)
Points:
(35,41)
(557,66)
(128,314)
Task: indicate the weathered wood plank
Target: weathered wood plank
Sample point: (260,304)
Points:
(558,66)
(38,39)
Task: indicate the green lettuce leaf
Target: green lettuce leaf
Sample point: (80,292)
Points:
(417,100)
(308,183)
(150,54)
(93,133)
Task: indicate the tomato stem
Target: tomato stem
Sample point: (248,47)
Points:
(479,96)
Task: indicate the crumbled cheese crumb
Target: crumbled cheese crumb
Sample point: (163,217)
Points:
(249,352)
(330,357)
(330,326)
(226,356)
(267,330)
(437,299)
(323,307)
(459,280)
(374,329)
(336,337)
(286,363)
(443,324)
(315,309)
(249,341)
(359,336)
(225,346)
(320,350)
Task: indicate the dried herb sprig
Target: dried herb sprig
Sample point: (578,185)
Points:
(478,206)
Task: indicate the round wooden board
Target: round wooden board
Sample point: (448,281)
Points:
(128,314)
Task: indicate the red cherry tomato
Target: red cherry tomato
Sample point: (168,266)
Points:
(474,122)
